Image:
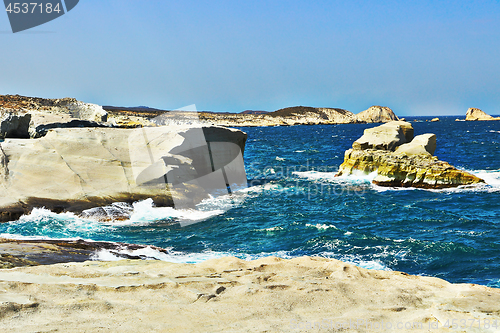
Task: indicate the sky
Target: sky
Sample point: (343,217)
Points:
(416,57)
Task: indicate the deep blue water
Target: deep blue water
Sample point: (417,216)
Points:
(295,207)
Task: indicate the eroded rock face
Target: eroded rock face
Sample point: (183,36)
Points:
(14,124)
(401,160)
(38,112)
(73,169)
(87,111)
(377,114)
(477,114)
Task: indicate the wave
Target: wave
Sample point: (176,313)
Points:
(193,258)
(333,178)
(491,177)
(320,226)
(41,221)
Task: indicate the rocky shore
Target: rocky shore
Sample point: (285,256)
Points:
(301,115)
(34,252)
(402,160)
(24,117)
(66,155)
(233,295)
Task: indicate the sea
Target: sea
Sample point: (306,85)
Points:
(295,206)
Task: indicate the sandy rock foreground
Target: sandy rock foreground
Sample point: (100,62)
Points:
(232,295)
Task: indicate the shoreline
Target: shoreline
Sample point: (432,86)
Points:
(230,294)
(37,252)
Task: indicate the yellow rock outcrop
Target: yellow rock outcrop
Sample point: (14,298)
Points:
(401,160)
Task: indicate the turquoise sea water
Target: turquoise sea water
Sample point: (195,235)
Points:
(294,206)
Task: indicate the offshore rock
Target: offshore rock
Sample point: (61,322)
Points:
(477,114)
(73,169)
(400,162)
(377,114)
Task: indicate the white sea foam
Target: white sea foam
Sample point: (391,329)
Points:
(144,212)
(23,237)
(66,222)
(151,253)
(491,177)
(320,226)
(332,177)
(354,260)
(379,188)
(141,213)
(279,158)
(169,255)
(180,257)
(277,228)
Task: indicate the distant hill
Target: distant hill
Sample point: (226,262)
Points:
(253,112)
(131,108)
(301,110)
(141,111)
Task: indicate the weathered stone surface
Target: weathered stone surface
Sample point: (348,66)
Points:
(385,137)
(14,124)
(41,130)
(18,253)
(377,114)
(410,165)
(44,111)
(87,111)
(305,294)
(80,168)
(477,114)
(421,144)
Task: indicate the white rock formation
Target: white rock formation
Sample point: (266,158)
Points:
(421,144)
(477,114)
(386,137)
(79,168)
(377,114)
(87,111)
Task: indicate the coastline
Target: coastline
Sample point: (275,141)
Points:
(230,294)
(276,294)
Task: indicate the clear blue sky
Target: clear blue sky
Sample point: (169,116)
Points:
(417,57)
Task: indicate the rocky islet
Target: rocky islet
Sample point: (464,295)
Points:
(402,160)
